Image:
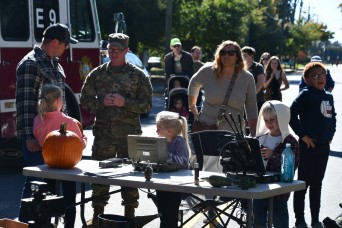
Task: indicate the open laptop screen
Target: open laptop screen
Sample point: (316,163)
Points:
(147,148)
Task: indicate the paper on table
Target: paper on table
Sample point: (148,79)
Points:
(107,172)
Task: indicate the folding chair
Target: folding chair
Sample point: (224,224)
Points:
(205,145)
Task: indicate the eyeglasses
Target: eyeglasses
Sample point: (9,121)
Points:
(266,58)
(229,52)
(318,76)
(114,51)
(177,45)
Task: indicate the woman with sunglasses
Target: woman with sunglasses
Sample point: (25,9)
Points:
(214,78)
(264,59)
(274,78)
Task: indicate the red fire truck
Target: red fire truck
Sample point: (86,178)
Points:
(22,25)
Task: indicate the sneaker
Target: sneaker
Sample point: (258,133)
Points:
(302,225)
(318,225)
(90,224)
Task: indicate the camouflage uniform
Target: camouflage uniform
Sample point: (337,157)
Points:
(113,124)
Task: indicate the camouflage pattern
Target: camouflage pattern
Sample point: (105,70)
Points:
(113,124)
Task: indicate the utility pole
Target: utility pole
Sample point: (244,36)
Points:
(168,25)
(300,9)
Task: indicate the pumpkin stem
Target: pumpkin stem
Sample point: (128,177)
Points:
(63,128)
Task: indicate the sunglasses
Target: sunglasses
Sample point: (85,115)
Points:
(177,45)
(114,51)
(266,58)
(229,52)
(318,76)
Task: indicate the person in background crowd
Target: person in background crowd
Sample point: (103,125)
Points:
(117,93)
(275,77)
(196,53)
(330,83)
(178,61)
(177,84)
(313,119)
(264,59)
(257,71)
(38,67)
(179,107)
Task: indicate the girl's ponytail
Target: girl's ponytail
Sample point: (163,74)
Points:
(49,94)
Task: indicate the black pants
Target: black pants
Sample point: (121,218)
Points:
(69,194)
(311,169)
(168,205)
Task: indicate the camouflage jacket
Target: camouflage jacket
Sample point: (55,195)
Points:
(131,83)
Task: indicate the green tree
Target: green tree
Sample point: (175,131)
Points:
(302,34)
(267,35)
(208,22)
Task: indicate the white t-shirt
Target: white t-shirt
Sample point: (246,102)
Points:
(269,141)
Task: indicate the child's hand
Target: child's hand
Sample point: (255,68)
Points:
(266,153)
(310,143)
(33,145)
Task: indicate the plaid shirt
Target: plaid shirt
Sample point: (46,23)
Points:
(33,71)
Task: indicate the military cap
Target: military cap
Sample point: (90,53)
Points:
(118,39)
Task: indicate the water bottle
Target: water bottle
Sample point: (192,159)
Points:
(287,164)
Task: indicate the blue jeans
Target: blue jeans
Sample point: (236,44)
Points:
(31,159)
(280,213)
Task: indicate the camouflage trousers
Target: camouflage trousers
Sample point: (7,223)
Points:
(105,147)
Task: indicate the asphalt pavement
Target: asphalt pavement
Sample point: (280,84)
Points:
(11,181)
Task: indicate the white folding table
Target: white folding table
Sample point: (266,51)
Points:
(88,171)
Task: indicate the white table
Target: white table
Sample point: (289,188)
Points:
(88,171)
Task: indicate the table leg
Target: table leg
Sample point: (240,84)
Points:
(58,193)
(249,213)
(84,222)
(270,212)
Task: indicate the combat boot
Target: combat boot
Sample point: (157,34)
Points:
(129,212)
(94,222)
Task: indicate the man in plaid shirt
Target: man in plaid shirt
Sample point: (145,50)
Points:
(38,67)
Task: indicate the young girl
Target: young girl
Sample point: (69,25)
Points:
(273,134)
(179,107)
(175,128)
(50,118)
(274,77)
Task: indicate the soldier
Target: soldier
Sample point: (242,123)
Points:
(117,92)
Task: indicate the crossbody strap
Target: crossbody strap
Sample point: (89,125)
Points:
(224,105)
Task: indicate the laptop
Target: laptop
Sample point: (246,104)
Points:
(147,148)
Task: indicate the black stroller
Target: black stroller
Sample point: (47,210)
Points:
(177,91)
(174,83)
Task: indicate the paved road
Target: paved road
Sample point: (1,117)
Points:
(11,181)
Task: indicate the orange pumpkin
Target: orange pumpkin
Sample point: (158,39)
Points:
(62,148)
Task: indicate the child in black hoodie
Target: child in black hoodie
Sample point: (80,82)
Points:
(313,119)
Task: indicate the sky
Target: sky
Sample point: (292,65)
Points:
(325,11)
